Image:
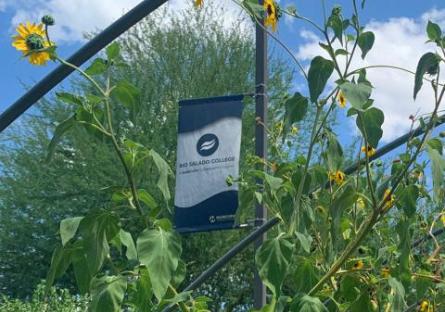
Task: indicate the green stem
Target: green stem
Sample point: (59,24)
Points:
(124,164)
(305,171)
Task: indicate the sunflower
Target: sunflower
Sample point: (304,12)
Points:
(358,265)
(198,3)
(338,177)
(369,150)
(32,43)
(385,272)
(388,199)
(272,14)
(341,99)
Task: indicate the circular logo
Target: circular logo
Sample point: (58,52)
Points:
(207,144)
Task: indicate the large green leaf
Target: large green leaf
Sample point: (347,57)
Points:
(60,262)
(159,251)
(97,67)
(127,94)
(370,124)
(319,72)
(428,64)
(97,230)
(81,271)
(306,303)
(70,98)
(107,293)
(113,51)
(437,169)
(60,130)
(365,42)
(295,110)
(272,260)
(407,199)
(164,172)
(68,228)
(397,297)
(357,94)
(305,275)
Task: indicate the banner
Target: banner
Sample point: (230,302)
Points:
(209,139)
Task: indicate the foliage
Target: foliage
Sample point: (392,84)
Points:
(56,300)
(36,195)
(344,243)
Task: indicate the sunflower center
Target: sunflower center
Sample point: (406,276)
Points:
(35,42)
(269,10)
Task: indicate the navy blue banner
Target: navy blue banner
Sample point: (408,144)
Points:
(209,139)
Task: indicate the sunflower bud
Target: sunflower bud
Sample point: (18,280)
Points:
(48,20)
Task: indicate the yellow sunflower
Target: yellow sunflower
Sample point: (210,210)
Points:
(198,3)
(385,272)
(341,99)
(358,265)
(388,200)
(272,14)
(31,41)
(338,177)
(369,150)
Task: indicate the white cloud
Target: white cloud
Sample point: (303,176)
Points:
(399,42)
(75,18)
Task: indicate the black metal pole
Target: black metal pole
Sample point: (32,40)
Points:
(81,56)
(393,145)
(259,290)
(246,241)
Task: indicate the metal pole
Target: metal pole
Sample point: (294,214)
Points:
(259,290)
(81,56)
(229,255)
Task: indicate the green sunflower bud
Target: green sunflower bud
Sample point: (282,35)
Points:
(48,20)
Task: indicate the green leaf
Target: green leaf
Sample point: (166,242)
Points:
(127,240)
(97,67)
(81,272)
(107,293)
(60,130)
(397,297)
(127,94)
(434,32)
(96,231)
(357,94)
(113,51)
(305,241)
(336,24)
(370,124)
(365,42)
(319,72)
(306,303)
(295,110)
(437,169)
(159,251)
(341,202)
(428,64)
(407,198)
(70,98)
(164,171)
(147,199)
(272,260)
(305,275)
(274,183)
(436,144)
(144,292)
(60,262)
(68,228)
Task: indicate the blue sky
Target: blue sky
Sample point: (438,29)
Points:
(399,27)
